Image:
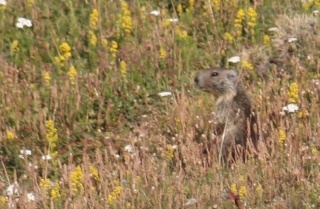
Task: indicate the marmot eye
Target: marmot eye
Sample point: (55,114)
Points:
(214,74)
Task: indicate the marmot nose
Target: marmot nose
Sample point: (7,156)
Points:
(196,79)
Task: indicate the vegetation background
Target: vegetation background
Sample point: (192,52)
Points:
(83,124)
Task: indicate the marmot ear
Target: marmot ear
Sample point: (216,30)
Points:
(233,76)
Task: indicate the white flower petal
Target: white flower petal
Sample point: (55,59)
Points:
(290,108)
(19,25)
(292,39)
(12,189)
(128,148)
(3,2)
(165,93)
(25,152)
(46,157)
(173,19)
(234,59)
(155,12)
(273,29)
(30,196)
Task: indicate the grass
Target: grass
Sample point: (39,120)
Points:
(79,88)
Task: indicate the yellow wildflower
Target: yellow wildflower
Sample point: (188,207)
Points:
(247,65)
(51,134)
(216,5)
(242,192)
(46,77)
(55,192)
(72,74)
(191,5)
(64,48)
(60,60)
(113,196)
(169,152)
(125,18)
(3,201)
(14,47)
(92,38)
(282,136)
(233,188)
(123,69)
(113,48)
(162,53)
(10,135)
(94,18)
(166,23)
(76,179)
(128,205)
(266,40)
(293,92)
(183,34)
(104,43)
(30,3)
(45,184)
(179,9)
(94,172)
(259,190)
(228,37)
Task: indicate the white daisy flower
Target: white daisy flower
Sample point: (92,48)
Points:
(12,189)
(155,12)
(46,157)
(30,196)
(3,2)
(234,59)
(290,108)
(128,148)
(273,29)
(23,22)
(292,39)
(173,19)
(165,93)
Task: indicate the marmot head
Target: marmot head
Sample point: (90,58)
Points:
(218,81)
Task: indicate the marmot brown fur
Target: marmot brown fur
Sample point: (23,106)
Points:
(234,117)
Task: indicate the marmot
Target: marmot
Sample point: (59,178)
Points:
(234,116)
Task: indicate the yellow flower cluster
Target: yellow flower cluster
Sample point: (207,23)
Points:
(169,152)
(166,23)
(183,34)
(179,9)
(238,22)
(92,38)
(190,6)
(228,37)
(65,51)
(216,4)
(242,191)
(10,135)
(259,190)
(113,50)
(3,201)
(72,73)
(46,77)
(125,18)
(282,136)
(45,184)
(162,53)
(55,192)
(113,196)
(245,18)
(14,47)
(30,3)
(252,22)
(293,92)
(76,179)
(123,69)
(247,65)
(94,172)
(51,135)
(266,40)
(309,4)
(93,20)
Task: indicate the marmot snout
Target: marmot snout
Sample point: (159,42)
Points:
(233,111)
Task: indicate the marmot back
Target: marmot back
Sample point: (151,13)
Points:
(234,116)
